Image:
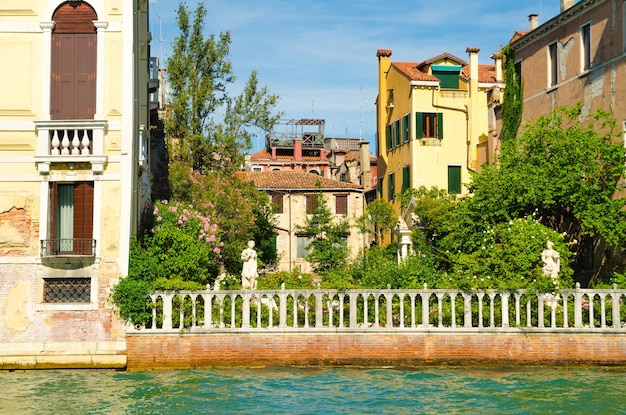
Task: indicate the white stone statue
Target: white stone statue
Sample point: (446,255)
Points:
(249,272)
(551,261)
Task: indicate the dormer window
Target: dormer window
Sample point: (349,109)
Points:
(448,75)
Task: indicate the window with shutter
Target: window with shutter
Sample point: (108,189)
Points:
(71,220)
(429,124)
(406,178)
(277,203)
(391,187)
(454,179)
(73,63)
(341,204)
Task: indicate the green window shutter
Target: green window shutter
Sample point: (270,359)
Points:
(390,187)
(396,133)
(389,145)
(419,125)
(439,125)
(454,179)
(406,178)
(406,128)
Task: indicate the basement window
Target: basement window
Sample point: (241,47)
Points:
(67,290)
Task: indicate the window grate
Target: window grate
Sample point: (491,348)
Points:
(67,290)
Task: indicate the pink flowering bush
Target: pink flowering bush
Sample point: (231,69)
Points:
(184,241)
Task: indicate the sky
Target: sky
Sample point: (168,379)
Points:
(319,56)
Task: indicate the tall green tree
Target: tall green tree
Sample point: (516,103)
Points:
(328,247)
(199,72)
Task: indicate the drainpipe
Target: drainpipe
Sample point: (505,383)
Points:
(466,112)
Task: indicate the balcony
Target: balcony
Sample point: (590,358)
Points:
(71,141)
(74,247)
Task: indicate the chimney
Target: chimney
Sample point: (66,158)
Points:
(566,4)
(366,170)
(533,19)
(297,148)
(497,58)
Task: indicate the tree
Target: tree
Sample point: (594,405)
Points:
(565,169)
(328,246)
(199,72)
(379,214)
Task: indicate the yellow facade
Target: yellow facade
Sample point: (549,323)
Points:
(54,304)
(429,129)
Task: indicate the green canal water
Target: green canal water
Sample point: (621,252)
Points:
(288,390)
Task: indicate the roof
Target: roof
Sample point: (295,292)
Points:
(294,180)
(266,155)
(416,71)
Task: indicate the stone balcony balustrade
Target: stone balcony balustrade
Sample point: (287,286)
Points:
(71,141)
(386,310)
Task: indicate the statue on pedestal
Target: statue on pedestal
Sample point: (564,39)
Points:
(249,272)
(551,261)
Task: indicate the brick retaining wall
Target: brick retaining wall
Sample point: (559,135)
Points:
(214,350)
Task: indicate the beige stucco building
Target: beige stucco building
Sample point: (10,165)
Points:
(291,193)
(436,121)
(74,175)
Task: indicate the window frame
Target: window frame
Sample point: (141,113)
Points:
(553,64)
(434,121)
(277,205)
(341,204)
(585,47)
(391,186)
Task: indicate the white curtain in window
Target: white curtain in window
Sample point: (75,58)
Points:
(65,217)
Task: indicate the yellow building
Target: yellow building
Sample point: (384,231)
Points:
(74,122)
(436,121)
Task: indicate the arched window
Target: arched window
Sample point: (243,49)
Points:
(73,66)
(315,172)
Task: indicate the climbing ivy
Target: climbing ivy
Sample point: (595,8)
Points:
(513,97)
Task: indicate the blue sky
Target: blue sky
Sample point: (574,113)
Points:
(319,56)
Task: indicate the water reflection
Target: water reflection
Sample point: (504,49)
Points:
(288,390)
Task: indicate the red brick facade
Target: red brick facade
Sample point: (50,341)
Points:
(213,350)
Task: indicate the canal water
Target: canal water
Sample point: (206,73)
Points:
(289,390)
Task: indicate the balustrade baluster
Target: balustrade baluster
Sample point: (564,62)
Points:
(504,297)
(615,307)
(425,309)
(295,309)
(467,310)
(282,322)
(167,311)
(603,310)
(208,310)
(480,296)
(341,300)
(193,311)
(245,311)
(440,309)
(578,307)
(492,319)
(401,323)
(319,314)
(353,310)
(591,319)
(389,301)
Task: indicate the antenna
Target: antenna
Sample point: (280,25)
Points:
(313,101)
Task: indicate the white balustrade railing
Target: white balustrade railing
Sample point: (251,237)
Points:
(71,138)
(370,310)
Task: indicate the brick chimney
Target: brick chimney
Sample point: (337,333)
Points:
(297,148)
(566,4)
(533,20)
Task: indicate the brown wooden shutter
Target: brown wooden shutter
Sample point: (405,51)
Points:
(341,204)
(52,209)
(277,202)
(309,204)
(73,65)
(83,216)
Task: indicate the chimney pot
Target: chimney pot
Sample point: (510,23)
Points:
(566,4)
(533,21)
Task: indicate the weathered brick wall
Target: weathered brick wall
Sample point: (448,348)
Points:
(214,350)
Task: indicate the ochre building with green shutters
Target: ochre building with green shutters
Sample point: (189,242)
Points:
(436,121)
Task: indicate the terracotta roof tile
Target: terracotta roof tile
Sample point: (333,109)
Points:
(410,69)
(294,180)
(486,73)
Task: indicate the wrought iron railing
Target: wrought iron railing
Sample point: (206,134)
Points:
(60,247)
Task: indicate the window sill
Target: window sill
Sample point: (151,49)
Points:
(66,306)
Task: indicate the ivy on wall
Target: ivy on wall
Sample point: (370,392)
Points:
(513,96)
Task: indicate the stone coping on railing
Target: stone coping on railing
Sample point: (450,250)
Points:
(367,310)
